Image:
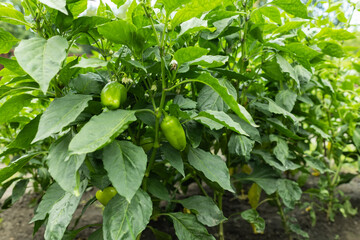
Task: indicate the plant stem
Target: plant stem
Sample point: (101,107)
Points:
(283,216)
(221,225)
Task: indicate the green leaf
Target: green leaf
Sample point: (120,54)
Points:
(317,164)
(212,166)
(286,67)
(119,2)
(157,188)
(64,168)
(90,62)
(10,15)
(125,164)
(252,216)
(77,7)
(56,4)
(19,190)
(122,32)
(209,99)
(100,130)
(192,26)
(210,61)
(335,34)
(13,106)
(51,196)
(240,145)
(289,191)
(174,157)
(224,119)
(60,113)
(194,9)
(226,96)
(42,58)
(160,235)
(274,108)
(289,26)
(188,228)
(283,129)
(294,7)
(15,166)
(272,13)
(263,176)
(282,166)
(89,83)
(171,5)
(61,214)
(26,135)
(7,41)
(13,66)
(302,50)
(184,103)
(188,54)
(124,220)
(286,99)
(356,138)
(281,150)
(332,49)
(207,212)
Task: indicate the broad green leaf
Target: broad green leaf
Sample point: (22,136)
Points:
(332,49)
(77,7)
(271,161)
(286,67)
(194,9)
(87,23)
(174,157)
(335,34)
(10,15)
(289,191)
(262,175)
(272,13)
(274,108)
(209,99)
(159,235)
(122,32)
(13,66)
(302,50)
(19,190)
(224,119)
(125,164)
(317,164)
(7,41)
(283,129)
(188,54)
(212,166)
(320,132)
(192,26)
(100,130)
(124,220)
(89,83)
(171,5)
(253,217)
(294,7)
(184,103)
(240,145)
(42,58)
(356,138)
(51,196)
(286,99)
(90,62)
(207,212)
(157,188)
(26,135)
(64,169)
(209,123)
(226,96)
(281,150)
(289,26)
(56,4)
(13,106)
(15,166)
(119,2)
(60,113)
(61,214)
(221,27)
(210,61)
(188,228)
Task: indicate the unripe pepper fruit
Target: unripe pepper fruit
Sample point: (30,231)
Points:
(113,95)
(173,132)
(106,195)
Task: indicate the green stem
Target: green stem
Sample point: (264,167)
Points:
(283,216)
(149,167)
(221,225)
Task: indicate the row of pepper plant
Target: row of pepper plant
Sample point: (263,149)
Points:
(242,98)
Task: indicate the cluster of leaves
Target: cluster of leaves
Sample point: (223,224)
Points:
(265,94)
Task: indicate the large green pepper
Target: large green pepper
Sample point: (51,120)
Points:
(174,132)
(113,94)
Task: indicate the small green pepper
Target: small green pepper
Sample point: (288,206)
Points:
(174,132)
(113,95)
(105,196)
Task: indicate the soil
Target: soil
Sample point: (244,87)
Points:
(14,221)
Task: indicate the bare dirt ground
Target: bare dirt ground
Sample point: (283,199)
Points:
(14,221)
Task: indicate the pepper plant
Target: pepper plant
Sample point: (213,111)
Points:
(234,96)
